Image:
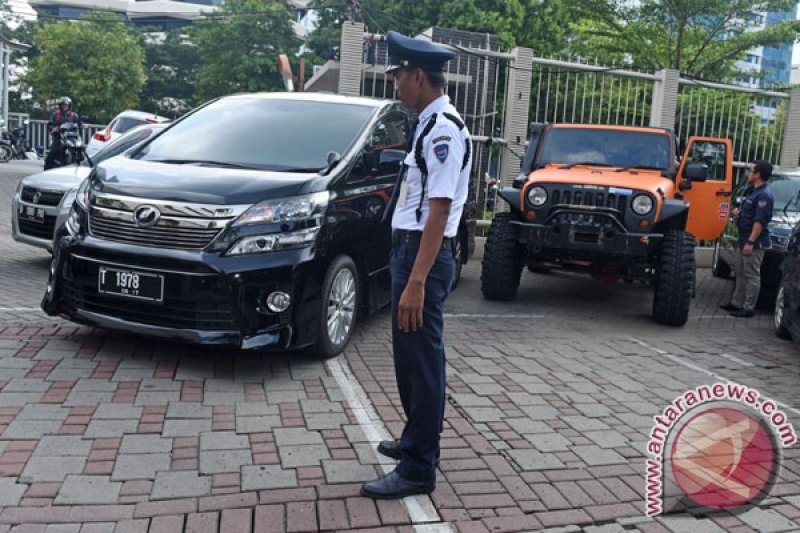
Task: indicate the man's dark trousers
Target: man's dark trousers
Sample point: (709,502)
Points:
(419,362)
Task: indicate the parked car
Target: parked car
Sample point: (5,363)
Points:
(612,202)
(255,222)
(40,197)
(787,301)
(785,188)
(120,125)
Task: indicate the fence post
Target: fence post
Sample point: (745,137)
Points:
(790,149)
(518,97)
(351,58)
(665,99)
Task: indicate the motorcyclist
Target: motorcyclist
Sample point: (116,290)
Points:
(63,115)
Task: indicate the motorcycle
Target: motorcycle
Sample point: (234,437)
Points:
(18,141)
(73,150)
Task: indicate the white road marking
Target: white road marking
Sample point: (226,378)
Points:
(711,373)
(710,316)
(735,359)
(420,508)
(18,309)
(467,315)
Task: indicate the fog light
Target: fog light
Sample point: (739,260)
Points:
(644,225)
(531,216)
(278,302)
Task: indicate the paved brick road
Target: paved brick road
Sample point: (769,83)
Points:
(551,400)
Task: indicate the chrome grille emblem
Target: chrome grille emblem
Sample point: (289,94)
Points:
(146,216)
(36,197)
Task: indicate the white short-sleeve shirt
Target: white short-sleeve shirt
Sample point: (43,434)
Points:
(443,150)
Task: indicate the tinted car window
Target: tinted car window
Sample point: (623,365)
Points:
(785,193)
(606,147)
(125,123)
(265,133)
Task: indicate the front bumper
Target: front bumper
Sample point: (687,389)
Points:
(585,242)
(207,298)
(39,234)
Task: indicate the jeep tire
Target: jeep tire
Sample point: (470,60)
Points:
(502,263)
(675,279)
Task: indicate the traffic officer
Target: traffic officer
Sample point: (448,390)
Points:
(752,220)
(429,200)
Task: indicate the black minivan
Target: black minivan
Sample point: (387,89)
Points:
(255,221)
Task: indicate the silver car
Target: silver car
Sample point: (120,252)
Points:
(42,198)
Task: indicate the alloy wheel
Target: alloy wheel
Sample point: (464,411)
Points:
(341,306)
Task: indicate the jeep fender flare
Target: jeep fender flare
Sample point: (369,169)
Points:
(674,216)
(511,196)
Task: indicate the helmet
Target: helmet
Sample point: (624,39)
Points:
(65,100)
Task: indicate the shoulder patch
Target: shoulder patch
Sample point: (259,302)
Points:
(441,138)
(441,151)
(762,203)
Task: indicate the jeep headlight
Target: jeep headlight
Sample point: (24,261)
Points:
(294,208)
(537,196)
(642,204)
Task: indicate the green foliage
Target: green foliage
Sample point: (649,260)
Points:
(239,48)
(172,66)
(701,39)
(98,62)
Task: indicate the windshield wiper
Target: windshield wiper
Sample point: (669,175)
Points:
(209,162)
(587,163)
(794,200)
(642,167)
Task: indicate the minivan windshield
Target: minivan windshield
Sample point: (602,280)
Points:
(785,193)
(605,147)
(261,133)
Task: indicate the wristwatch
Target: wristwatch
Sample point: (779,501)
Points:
(751,243)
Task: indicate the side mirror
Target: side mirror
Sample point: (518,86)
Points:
(695,172)
(391,158)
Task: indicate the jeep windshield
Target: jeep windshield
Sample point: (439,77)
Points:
(261,133)
(605,147)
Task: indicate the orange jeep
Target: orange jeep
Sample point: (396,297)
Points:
(614,202)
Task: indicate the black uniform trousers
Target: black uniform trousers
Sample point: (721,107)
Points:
(419,360)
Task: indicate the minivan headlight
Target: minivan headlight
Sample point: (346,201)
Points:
(293,208)
(274,242)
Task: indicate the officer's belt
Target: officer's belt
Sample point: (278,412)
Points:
(402,236)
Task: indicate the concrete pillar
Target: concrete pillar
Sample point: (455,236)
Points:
(518,98)
(351,58)
(6,57)
(665,99)
(790,150)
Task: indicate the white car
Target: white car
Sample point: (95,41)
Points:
(121,124)
(40,198)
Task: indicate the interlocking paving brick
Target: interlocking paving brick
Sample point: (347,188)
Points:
(531,460)
(58,446)
(31,429)
(347,471)
(112,411)
(51,468)
(221,461)
(187,484)
(110,428)
(140,466)
(157,397)
(257,424)
(303,455)
(88,490)
(223,440)
(767,520)
(132,444)
(267,477)
(316,422)
(549,442)
(256,409)
(525,426)
(186,428)
(607,439)
(596,456)
(188,410)
(296,436)
(222,398)
(88,398)
(10,491)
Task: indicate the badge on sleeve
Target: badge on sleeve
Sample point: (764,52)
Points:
(441,151)
(762,203)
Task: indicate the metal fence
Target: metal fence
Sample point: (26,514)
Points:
(36,130)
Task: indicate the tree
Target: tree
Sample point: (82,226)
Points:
(98,62)
(701,39)
(172,66)
(239,47)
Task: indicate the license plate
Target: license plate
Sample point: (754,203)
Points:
(34,214)
(131,284)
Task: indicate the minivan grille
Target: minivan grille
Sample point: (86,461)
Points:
(163,237)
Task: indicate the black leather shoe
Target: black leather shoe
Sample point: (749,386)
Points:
(393,486)
(742,313)
(390,448)
(729,307)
